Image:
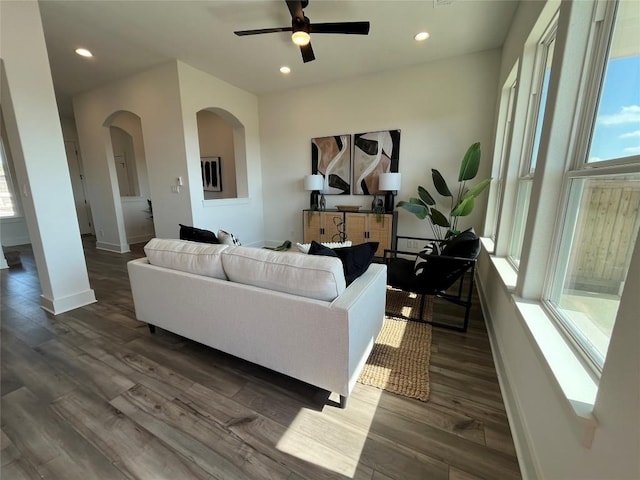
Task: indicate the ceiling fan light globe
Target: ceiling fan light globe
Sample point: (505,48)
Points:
(300,38)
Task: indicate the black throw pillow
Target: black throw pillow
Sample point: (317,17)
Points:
(319,249)
(197,234)
(356,259)
(465,244)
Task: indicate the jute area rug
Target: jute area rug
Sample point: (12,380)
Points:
(399,361)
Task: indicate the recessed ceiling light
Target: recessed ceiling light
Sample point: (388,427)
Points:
(285,69)
(83,52)
(421,37)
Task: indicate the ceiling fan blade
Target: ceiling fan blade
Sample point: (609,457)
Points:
(349,28)
(295,8)
(307,53)
(243,33)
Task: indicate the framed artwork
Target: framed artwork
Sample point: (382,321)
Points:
(211,177)
(331,157)
(374,153)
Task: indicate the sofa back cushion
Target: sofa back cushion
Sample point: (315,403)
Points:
(316,277)
(193,257)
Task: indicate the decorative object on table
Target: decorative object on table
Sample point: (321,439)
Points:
(461,204)
(399,361)
(210,169)
(331,157)
(314,183)
(376,204)
(389,182)
(374,153)
(348,208)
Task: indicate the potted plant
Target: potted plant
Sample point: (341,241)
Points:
(461,204)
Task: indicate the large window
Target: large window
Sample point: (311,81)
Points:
(603,199)
(535,116)
(8,205)
(503,142)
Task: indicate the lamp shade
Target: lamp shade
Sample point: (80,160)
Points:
(389,181)
(313,182)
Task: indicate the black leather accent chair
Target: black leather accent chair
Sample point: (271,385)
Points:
(437,274)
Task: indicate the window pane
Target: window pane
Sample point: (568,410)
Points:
(7,205)
(543,102)
(616,133)
(520,220)
(599,253)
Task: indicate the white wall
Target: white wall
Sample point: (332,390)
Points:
(152,95)
(547,432)
(441,108)
(35,138)
(242,216)
(216,140)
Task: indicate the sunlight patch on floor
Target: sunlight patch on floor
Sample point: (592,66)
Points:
(325,439)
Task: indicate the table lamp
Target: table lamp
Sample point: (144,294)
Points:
(390,183)
(315,183)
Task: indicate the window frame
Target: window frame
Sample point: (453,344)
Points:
(579,168)
(526,171)
(11,186)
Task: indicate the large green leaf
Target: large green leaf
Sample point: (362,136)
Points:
(439,219)
(464,208)
(417,209)
(440,184)
(426,196)
(470,163)
(477,190)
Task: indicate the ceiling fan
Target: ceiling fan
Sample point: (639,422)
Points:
(301,28)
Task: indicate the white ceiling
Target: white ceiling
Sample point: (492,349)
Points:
(130,36)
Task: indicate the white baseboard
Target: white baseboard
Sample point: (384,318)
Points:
(112,247)
(516,424)
(13,241)
(70,302)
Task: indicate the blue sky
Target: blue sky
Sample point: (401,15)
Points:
(617,129)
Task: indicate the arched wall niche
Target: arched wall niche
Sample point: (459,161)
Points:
(222,136)
(127,161)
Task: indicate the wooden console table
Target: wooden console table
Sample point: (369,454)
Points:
(359,227)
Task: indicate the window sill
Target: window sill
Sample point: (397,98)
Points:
(577,385)
(507,273)
(14,219)
(574,381)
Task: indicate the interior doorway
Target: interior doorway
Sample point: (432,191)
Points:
(76,172)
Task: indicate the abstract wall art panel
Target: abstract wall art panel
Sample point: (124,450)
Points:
(374,153)
(331,157)
(211,177)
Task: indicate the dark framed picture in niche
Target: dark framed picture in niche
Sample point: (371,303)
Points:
(211,174)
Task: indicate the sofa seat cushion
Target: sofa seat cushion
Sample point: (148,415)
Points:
(193,257)
(321,278)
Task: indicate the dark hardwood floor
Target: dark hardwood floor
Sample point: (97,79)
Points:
(91,394)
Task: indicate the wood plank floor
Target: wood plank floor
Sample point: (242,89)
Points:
(90,394)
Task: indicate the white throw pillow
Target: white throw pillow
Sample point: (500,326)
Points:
(227,238)
(304,247)
(311,276)
(193,257)
(432,248)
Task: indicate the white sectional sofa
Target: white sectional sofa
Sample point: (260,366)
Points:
(286,311)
